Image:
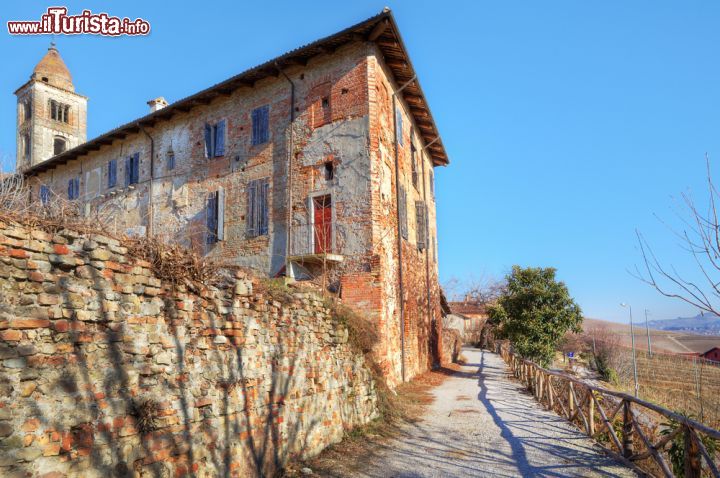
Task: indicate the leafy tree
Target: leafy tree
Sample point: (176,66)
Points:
(535,312)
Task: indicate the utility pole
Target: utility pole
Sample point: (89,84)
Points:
(647,329)
(632,341)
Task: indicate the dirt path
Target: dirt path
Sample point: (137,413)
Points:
(484,424)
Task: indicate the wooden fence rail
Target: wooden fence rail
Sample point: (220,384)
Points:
(636,437)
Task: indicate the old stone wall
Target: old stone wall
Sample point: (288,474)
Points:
(107,370)
(451,345)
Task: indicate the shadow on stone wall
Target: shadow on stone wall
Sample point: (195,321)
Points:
(109,371)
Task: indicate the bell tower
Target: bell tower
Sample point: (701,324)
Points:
(51,117)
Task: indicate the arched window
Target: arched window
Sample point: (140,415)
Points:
(59,145)
(27,107)
(27,146)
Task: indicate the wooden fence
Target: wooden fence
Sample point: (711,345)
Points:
(639,437)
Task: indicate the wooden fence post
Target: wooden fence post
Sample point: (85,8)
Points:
(571,400)
(627,430)
(550,391)
(693,466)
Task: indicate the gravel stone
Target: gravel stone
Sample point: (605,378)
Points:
(484,424)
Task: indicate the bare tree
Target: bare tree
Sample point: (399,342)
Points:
(700,238)
(476,291)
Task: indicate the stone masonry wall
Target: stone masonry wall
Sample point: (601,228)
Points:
(107,370)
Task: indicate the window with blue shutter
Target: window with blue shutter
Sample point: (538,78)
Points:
(219,138)
(215,139)
(74,188)
(171,161)
(402,198)
(399,126)
(261,125)
(132,169)
(258,208)
(112,174)
(44,195)
(421,224)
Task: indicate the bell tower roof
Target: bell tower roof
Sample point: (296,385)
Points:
(53,71)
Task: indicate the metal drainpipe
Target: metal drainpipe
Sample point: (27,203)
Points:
(399,235)
(151,211)
(288,225)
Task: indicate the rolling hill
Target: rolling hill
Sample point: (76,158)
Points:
(669,341)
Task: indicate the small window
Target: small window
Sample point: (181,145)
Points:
(27,109)
(261,125)
(326,102)
(329,171)
(112,174)
(215,139)
(44,195)
(215,215)
(170,161)
(27,147)
(132,169)
(59,146)
(258,207)
(59,111)
(45,79)
(74,188)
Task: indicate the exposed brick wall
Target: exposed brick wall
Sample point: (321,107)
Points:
(88,336)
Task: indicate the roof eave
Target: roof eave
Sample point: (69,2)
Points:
(300,55)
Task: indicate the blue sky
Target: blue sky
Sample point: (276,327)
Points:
(568,124)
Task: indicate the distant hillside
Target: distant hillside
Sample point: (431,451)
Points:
(674,341)
(703,324)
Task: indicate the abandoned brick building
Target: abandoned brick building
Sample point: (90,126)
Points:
(318,163)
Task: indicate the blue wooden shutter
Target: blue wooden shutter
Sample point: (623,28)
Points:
(136,168)
(220,214)
(403,212)
(208,141)
(44,194)
(264,209)
(211,218)
(128,171)
(260,125)
(220,138)
(251,209)
(70,189)
(171,161)
(112,173)
(421,224)
(265,133)
(77,188)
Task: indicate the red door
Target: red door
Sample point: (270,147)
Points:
(323,224)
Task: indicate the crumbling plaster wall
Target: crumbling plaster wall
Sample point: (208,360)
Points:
(179,195)
(107,370)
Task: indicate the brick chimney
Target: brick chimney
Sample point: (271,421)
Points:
(157,104)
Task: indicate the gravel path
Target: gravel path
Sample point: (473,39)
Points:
(484,424)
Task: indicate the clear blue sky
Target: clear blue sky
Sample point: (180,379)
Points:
(568,123)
